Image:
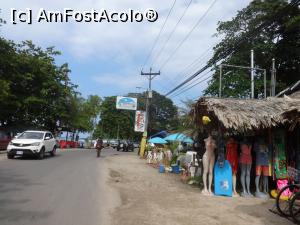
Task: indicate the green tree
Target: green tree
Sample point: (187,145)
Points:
(163,116)
(85,113)
(115,122)
(184,118)
(271,28)
(35,91)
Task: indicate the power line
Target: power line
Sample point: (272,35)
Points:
(188,69)
(187,36)
(177,96)
(159,34)
(229,50)
(191,85)
(195,63)
(171,33)
(188,79)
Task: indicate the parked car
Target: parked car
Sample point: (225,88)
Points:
(136,144)
(82,143)
(130,146)
(32,143)
(113,143)
(4,140)
(126,145)
(105,143)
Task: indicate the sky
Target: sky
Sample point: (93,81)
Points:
(107,58)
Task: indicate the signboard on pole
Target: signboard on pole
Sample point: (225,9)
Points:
(140,120)
(126,103)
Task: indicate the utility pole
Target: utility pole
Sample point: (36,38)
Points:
(221,66)
(220,82)
(252,74)
(151,76)
(118,130)
(273,78)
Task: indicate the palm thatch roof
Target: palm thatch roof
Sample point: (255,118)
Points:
(244,115)
(295,95)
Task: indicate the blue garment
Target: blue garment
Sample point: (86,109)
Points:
(262,155)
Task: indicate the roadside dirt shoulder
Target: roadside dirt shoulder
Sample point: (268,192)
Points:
(150,198)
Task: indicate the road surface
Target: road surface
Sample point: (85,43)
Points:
(68,189)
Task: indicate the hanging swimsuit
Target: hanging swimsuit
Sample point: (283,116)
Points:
(232,155)
(245,157)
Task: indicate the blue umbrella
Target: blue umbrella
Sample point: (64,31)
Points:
(157,140)
(175,137)
(188,140)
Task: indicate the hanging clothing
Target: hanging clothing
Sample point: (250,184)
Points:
(262,155)
(245,157)
(232,154)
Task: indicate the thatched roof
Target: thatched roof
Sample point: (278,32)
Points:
(244,115)
(295,95)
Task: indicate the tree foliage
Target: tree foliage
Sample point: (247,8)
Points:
(37,92)
(162,111)
(271,28)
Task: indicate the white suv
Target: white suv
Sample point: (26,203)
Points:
(32,143)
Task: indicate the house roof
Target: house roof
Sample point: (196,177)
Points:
(246,114)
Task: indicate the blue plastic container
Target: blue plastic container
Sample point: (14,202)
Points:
(161,168)
(175,169)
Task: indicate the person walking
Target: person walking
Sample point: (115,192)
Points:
(99,146)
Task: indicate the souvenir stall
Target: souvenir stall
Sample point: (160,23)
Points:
(172,154)
(286,143)
(245,144)
(158,154)
(183,158)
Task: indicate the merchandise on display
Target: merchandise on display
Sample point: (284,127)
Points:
(208,164)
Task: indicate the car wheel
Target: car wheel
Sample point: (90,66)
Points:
(9,156)
(41,154)
(53,152)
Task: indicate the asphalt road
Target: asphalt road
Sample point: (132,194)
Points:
(67,189)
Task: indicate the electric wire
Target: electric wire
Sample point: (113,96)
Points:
(189,85)
(188,35)
(194,64)
(171,33)
(189,69)
(179,94)
(158,36)
(194,98)
(188,88)
(231,50)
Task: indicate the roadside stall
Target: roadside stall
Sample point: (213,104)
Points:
(245,137)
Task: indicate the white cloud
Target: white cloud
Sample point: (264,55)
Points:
(122,82)
(125,45)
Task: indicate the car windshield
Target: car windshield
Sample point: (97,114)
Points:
(31,135)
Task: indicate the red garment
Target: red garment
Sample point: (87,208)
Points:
(246,157)
(232,155)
